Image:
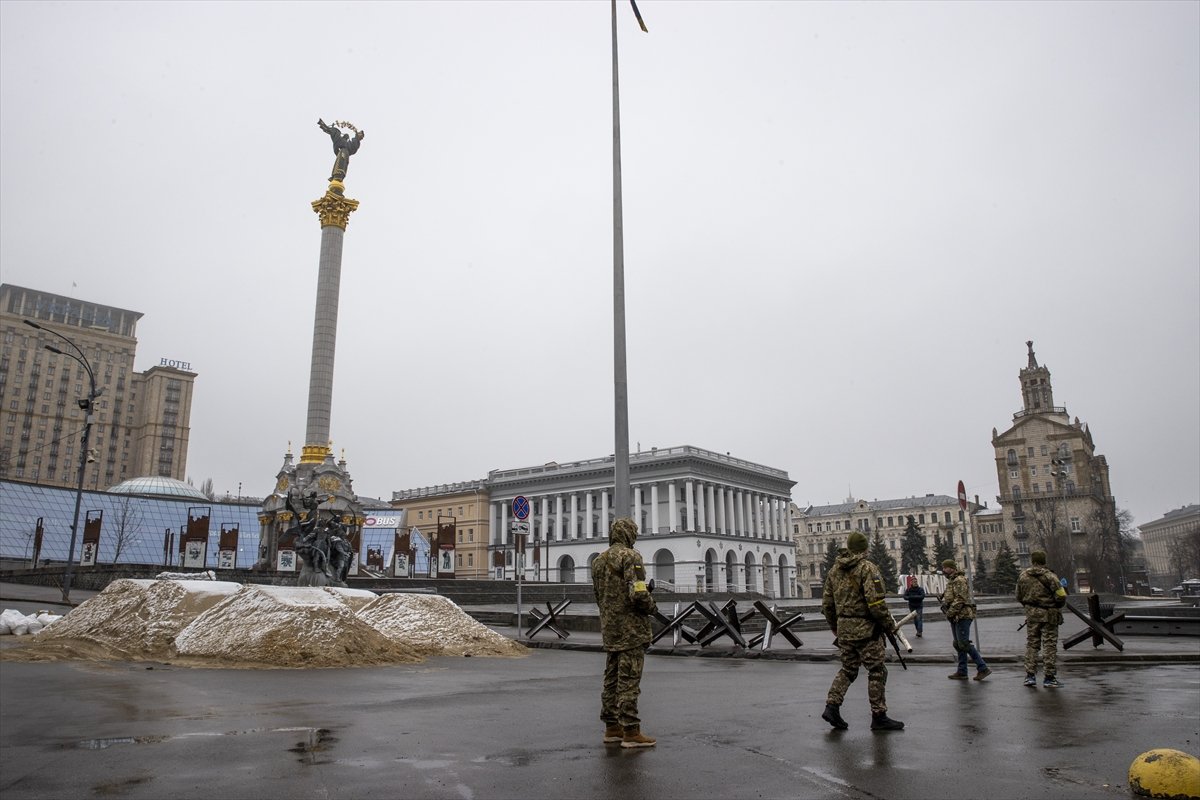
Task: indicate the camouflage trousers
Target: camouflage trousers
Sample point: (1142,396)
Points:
(861,653)
(622,685)
(1043,636)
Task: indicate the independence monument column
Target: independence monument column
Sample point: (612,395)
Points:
(317,476)
(334,209)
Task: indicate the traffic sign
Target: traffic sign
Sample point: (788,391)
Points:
(520,507)
(520,531)
(962,496)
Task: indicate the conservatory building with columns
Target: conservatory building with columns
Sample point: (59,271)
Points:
(706,521)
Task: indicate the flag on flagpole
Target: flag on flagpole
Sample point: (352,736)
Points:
(638,14)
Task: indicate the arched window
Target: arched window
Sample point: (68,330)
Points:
(566,569)
(664,566)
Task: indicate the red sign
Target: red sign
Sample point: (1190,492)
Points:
(962,496)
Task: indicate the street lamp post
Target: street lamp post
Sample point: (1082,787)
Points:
(1059,473)
(88,405)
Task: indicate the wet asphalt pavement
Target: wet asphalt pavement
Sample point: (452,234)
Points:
(473,728)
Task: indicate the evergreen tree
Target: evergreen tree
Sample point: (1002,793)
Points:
(1005,572)
(914,557)
(831,554)
(982,583)
(942,549)
(885,562)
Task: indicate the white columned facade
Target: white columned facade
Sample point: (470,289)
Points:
(680,495)
(558,526)
(730,527)
(587,516)
(722,523)
(689,498)
(673,524)
(711,504)
(654,507)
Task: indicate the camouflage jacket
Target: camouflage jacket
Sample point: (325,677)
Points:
(956,602)
(853,598)
(619,581)
(1035,591)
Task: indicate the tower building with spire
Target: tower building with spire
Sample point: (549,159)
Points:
(1055,493)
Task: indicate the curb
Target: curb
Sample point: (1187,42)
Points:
(1117,659)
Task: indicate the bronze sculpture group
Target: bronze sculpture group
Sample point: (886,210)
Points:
(323,547)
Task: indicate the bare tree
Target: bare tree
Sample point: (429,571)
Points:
(207,489)
(1185,553)
(1051,535)
(1110,543)
(127,522)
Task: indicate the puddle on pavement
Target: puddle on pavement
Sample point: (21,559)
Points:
(104,744)
(318,741)
(317,738)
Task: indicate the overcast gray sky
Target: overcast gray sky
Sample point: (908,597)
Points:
(843,220)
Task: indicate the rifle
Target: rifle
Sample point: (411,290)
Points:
(891,637)
(1022,625)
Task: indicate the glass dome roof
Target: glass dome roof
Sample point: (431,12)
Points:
(158,486)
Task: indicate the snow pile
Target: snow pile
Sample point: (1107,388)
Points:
(171,605)
(206,575)
(218,623)
(284,626)
(353,598)
(435,625)
(18,624)
(137,618)
(110,624)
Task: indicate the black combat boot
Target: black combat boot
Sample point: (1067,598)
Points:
(833,716)
(880,721)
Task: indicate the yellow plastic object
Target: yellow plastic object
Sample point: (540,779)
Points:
(1166,773)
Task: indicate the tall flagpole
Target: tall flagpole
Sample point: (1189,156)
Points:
(621,500)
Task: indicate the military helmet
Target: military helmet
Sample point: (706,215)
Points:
(1038,557)
(857,543)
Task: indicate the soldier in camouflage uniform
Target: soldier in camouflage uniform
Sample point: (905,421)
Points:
(853,605)
(960,612)
(619,581)
(1042,595)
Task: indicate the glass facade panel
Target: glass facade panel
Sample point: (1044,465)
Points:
(143,519)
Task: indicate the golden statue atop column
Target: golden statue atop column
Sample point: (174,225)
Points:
(335,208)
